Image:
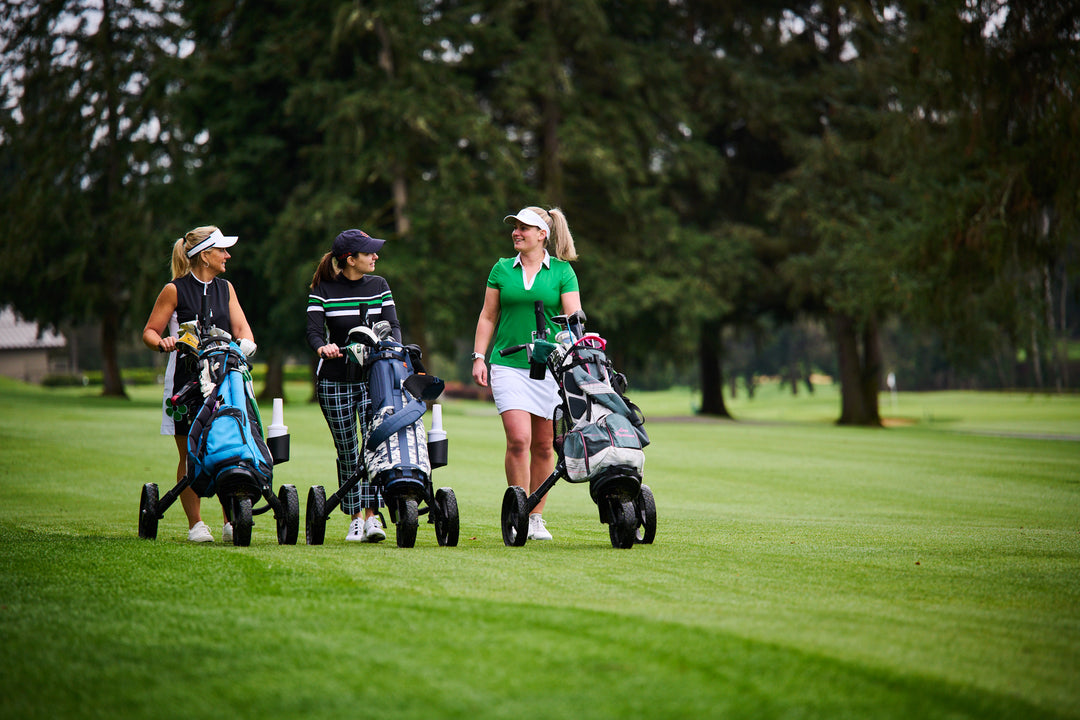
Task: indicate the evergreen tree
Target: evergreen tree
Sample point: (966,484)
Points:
(88,150)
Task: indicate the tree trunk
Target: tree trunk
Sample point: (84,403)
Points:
(112,383)
(712,371)
(275,378)
(1063,341)
(859,359)
(399,188)
(751,384)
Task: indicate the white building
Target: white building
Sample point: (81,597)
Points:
(25,350)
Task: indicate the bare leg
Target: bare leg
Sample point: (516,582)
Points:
(518,428)
(542,460)
(529,455)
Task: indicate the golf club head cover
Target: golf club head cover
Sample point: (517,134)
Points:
(356,353)
(542,350)
(363,334)
(206,385)
(382,329)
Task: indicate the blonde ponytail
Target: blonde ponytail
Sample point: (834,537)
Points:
(181,263)
(560,242)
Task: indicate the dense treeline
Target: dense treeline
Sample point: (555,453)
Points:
(746,181)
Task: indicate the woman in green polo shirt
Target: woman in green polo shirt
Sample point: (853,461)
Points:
(513,287)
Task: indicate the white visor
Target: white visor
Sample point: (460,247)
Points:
(216,239)
(530,217)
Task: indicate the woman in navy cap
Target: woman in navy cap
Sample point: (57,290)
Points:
(197,260)
(344,294)
(513,287)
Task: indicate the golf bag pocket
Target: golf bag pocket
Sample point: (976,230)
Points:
(404,448)
(225,436)
(611,441)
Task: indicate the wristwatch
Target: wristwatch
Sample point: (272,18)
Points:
(477,356)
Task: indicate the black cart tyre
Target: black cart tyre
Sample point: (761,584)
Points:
(242,521)
(623,525)
(288,522)
(515,518)
(315,525)
(447,524)
(645,509)
(148,513)
(407,521)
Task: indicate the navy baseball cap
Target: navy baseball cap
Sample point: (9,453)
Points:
(355,241)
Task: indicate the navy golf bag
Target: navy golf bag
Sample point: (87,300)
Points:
(398,453)
(395,440)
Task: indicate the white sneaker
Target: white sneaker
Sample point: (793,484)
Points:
(356,531)
(226,533)
(373,530)
(537,529)
(199,533)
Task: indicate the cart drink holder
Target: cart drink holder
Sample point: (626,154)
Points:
(395,447)
(226,451)
(600,435)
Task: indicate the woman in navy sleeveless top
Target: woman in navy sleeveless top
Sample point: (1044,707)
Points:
(198,259)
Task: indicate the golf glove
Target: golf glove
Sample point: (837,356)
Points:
(248,347)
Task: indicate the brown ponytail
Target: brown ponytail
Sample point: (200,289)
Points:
(326,271)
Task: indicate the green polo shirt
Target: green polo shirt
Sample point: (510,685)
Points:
(517,316)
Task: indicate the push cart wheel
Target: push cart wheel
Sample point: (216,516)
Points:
(515,518)
(288,522)
(242,521)
(645,509)
(315,526)
(148,514)
(623,525)
(407,521)
(446,517)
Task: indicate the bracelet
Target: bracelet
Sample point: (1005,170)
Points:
(477,356)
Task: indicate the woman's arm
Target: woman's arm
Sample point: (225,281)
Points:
(153,335)
(485,328)
(571,302)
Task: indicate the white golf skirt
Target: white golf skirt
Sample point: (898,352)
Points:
(513,389)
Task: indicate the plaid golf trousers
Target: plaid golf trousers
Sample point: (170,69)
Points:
(346,405)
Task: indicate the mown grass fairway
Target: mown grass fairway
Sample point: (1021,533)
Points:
(930,570)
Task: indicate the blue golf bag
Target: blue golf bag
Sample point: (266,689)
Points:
(226,454)
(225,443)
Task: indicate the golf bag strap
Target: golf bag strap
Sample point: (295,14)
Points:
(402,418)
(197,425)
